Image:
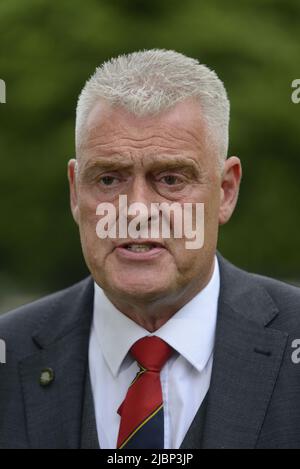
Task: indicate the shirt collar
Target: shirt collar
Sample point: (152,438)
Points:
(191,331)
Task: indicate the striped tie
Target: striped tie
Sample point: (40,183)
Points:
(142,416)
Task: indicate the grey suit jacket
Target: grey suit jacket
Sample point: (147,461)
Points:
(254,397)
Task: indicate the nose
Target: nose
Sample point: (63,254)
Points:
(140,191)
(142,196)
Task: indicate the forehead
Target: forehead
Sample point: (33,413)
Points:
(115,130)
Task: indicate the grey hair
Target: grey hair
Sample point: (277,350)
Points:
(151,81)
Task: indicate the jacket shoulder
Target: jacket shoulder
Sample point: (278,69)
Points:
(250,290)
(287,298)
(17,326)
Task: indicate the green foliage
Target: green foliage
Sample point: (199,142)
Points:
(48,49)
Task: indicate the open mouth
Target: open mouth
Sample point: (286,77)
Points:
(134,247)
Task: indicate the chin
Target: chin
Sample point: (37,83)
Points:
(140,290)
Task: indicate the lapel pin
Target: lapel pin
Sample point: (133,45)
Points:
(47,377)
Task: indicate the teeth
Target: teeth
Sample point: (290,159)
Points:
(139,247)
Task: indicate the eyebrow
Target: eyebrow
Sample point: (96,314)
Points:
(118,163)
(175,163)
(107,163)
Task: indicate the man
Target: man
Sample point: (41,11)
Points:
(163,346)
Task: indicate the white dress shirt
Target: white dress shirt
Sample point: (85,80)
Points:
(185,378)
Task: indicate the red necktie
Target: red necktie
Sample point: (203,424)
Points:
(142,410)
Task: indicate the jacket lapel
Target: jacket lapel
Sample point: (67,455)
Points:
(89,434)
(247,359)
(54,412)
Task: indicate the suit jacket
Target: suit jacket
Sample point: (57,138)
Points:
(254,397)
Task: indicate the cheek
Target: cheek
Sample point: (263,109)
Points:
(212,206)
(94,248)
(96,251)
(188,264)
(182,257)
(87,207)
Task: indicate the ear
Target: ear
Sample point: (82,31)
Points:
(72,176)
(231,178)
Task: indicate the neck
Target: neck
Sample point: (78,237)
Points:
(151,315)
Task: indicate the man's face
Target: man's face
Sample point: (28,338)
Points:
(166,158)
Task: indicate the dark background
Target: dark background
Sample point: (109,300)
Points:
(48,50)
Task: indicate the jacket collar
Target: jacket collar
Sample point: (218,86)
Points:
(71,308)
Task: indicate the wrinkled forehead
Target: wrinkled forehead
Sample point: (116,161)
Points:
(115,129)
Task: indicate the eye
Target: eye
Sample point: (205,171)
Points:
(171,179)
(107,180)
